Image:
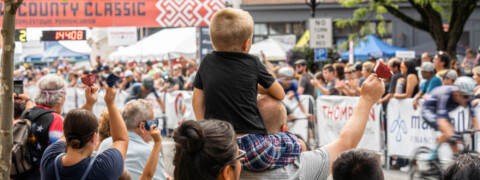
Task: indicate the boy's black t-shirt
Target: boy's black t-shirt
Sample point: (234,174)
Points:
(229,83)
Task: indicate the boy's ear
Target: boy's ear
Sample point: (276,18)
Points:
(246,45)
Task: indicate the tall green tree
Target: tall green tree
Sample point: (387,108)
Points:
(433,15)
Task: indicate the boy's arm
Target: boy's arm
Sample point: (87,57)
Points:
(275,90)
(198,102)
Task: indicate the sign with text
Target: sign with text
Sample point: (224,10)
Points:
(321,34)
(105,13)
(204,42)
(406,130)
(405,54)
(333,112)
(320,54)
(122,36)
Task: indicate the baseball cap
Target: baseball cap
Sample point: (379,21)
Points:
(465,85)
(451,74)
(285,72)
(428,67)
(149,63)
(301,61)
(128,73)
(117,70)
(106,67)
(147,82)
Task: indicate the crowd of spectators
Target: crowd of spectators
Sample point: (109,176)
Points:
(235,129)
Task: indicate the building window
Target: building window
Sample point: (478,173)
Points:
(264,30)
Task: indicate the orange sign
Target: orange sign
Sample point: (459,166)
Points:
(106,13)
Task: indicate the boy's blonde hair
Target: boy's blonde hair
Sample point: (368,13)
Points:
(230,28)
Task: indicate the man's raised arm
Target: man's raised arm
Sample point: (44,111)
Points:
(351,134)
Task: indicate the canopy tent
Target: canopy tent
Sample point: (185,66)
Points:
(374,47)
(273,49)
(165,44)
(431,48)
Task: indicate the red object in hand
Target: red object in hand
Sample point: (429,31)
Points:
(382,70)
(89,79)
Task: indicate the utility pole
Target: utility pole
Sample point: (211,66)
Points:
(313,5)
(6,86)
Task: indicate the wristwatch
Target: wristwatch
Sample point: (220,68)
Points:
(29,99)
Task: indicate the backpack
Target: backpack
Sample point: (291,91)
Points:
(21,151)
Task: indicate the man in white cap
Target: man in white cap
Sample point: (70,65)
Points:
(128,81)
(449,77)
(439,102)
(432,81)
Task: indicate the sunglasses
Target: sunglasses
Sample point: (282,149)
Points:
(241,155)
(349,72)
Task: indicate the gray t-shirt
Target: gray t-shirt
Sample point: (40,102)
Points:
(311,165)
(305,83)
(331,88)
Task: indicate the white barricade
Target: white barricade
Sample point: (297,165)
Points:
(300,126)
(70,100)
(406,130)
(32,90)
(334,111)
(157,108)
(178,108)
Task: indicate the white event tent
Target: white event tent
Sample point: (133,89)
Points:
(273,49)
(163,45)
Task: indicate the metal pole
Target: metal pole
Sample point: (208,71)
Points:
(6,86)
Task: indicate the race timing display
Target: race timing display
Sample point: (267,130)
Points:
(72,35)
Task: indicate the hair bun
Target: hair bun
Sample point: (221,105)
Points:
(189,136)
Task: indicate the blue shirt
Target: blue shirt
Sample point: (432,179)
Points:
(108,165)
(138,152)
(431,84)
(293,87)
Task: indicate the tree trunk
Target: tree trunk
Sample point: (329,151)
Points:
(6,89)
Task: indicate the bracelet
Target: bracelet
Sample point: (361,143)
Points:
(29,99)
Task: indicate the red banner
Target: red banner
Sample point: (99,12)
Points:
(106,13)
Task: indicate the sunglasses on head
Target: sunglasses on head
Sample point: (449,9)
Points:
(241,155)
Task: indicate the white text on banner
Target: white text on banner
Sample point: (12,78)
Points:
(334,111)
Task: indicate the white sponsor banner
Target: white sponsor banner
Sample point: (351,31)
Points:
(178,108)
(407,131)
(157,108)
(334,111)
(32,90)
(121,36)
(70,100)
(298,127)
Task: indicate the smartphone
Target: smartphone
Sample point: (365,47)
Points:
(18,87)
(112,80)
(150,123)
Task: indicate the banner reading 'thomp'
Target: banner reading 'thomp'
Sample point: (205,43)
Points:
(105,13)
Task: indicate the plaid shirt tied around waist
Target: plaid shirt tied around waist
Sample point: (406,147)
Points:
(265,152)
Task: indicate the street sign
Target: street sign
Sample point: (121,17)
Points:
(405,54)
(320,54)
(321,33)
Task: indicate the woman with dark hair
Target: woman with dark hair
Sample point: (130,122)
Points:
(206,150)
(70,157)
(407,88)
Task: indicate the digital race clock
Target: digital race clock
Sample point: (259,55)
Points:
(72,35)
